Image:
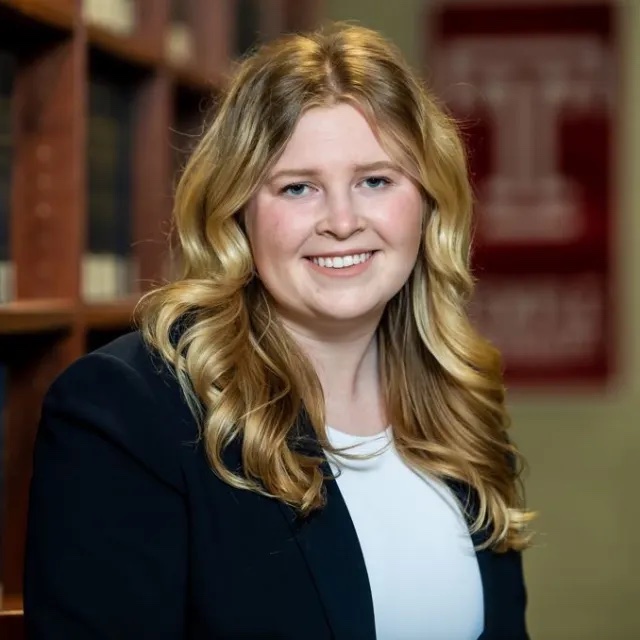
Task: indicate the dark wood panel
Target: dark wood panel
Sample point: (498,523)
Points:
(211,22)
(152,172)
(151,19)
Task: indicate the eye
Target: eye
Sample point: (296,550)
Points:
(295,190)
(375,182)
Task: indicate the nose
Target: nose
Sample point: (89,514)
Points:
(341,219)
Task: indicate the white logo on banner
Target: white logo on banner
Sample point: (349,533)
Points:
(542,320)
(524,84)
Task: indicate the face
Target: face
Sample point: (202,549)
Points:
(335,229)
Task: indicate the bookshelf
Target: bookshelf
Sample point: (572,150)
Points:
(68,201)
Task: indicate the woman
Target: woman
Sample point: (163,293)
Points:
(306,438)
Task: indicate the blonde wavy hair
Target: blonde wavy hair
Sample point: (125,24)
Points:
(241,372)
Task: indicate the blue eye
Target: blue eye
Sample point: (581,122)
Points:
(295,190)
(376,182)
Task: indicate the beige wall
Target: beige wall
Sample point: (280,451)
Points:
(583,449)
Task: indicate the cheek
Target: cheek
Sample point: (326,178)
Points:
(271,236)
(404,227)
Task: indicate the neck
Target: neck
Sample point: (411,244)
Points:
(346,364)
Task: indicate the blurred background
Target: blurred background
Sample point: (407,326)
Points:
(100,103)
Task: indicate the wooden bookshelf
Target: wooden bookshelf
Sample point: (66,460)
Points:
(36,316)
(48,323)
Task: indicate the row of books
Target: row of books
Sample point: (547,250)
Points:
(119,16)
(108,270)
(108,265)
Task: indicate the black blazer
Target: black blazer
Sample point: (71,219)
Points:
(131,535)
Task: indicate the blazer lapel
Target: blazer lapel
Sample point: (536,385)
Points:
(504,596)
(330,545)
(490,605)
(466,496)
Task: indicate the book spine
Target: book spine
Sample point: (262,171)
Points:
(100,280)
(115,15)
(7,71)
(180,44)
(123,101)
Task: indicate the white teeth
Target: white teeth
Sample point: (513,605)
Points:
(340,262)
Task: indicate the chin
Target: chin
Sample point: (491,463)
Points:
(351,314)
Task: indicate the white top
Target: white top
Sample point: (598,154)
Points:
(422,568)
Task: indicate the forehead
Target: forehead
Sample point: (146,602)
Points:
(336,133)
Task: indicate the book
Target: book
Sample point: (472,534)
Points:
(107,262)
(117,16)
(7,73)
(180,43)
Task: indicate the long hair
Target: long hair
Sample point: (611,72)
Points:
(241,372)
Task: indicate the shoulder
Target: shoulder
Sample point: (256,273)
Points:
(126,352)
(125,366)
(125,396)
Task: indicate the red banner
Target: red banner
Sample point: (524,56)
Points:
(534,87)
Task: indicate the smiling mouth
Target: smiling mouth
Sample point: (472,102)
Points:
(341,262)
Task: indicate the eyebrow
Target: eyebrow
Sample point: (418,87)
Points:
(313,172)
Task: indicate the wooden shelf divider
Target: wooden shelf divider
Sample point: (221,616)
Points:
(128,50)
(191,78)
(34,316)
(110,316)
(58,14)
